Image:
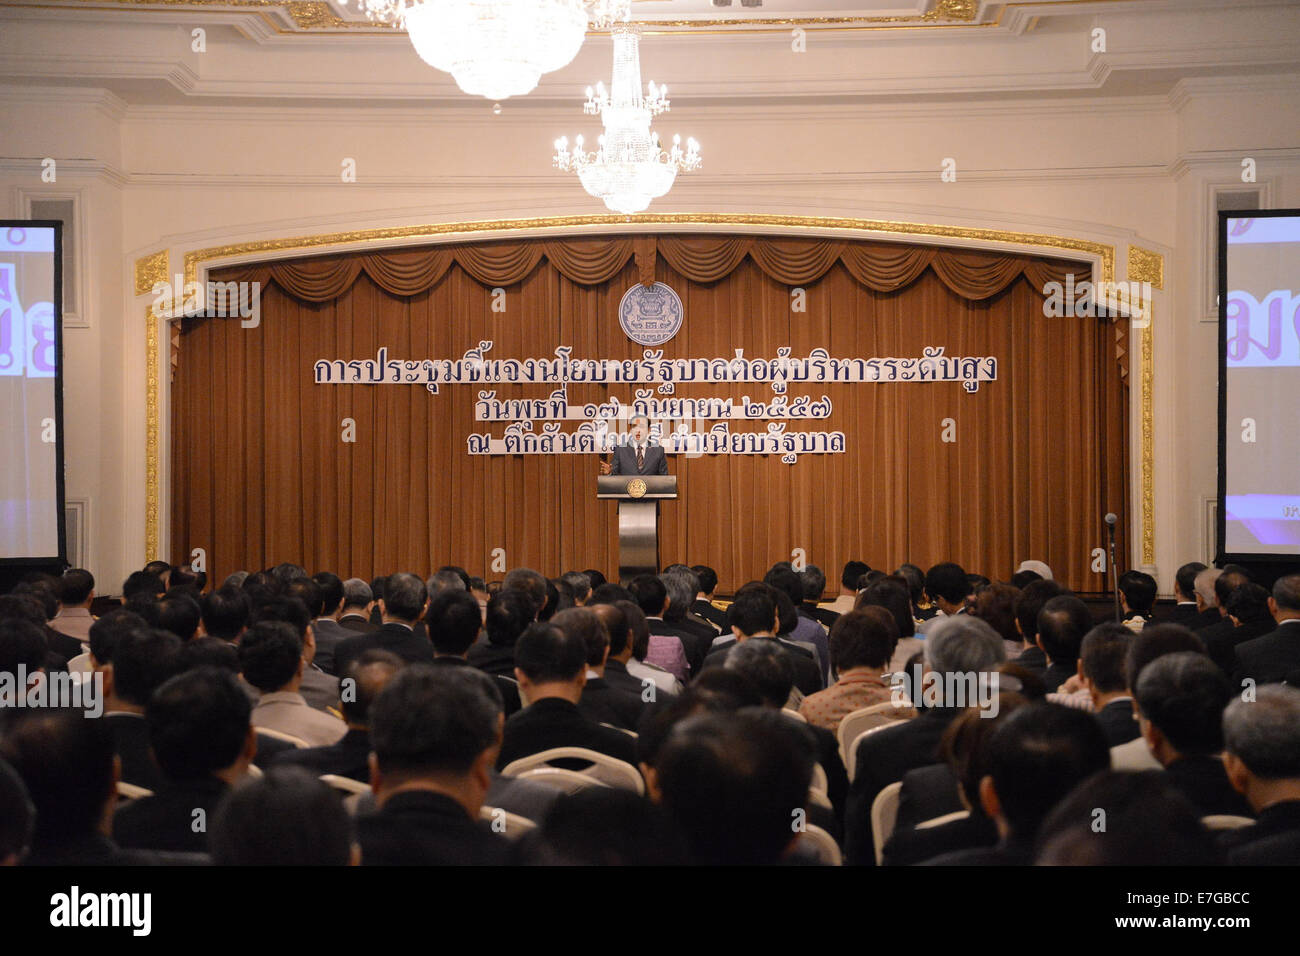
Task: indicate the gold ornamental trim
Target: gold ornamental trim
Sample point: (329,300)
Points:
(149,270)
(1146,266)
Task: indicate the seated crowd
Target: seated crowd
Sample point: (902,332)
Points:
(914,718)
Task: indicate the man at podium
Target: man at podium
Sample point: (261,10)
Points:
(638,456)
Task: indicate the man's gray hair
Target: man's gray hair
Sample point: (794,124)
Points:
(1286,592)
(235,579)
(963,644)
(1265,734)
(357,593)
(445,581)
(682,587)
(581,584)
(1204,586)
(814,582)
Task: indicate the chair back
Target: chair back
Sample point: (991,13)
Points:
(828,851)
(602,768)
(864,718)
(851,758)
(345,784)
(884,813)
(1225,821)
(510,825)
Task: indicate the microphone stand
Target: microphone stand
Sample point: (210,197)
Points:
(1114,575)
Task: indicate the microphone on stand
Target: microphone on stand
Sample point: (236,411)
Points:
(1111,519)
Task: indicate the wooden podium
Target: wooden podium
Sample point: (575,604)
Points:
(638,499)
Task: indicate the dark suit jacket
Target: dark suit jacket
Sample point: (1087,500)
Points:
(1184,614)
(402,641)
(268,748)
(165,821)
(1117,722)
(606,704)
(506,685)
(1222,639)
(131,742)
(1057,674)
(908,847)
(819,614)
(1205,618)
(1032,658)
(554,722)
(1273,840)
(1204,782)
(1270,658)
(928,792)
(807,675)
(493,659)
(329,635)
(355,622)
(623,461)
(65,645)
(422,828)
(347,758)
(710,613)
(882,759)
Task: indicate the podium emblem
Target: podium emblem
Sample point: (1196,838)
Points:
(636,488)
(650,315)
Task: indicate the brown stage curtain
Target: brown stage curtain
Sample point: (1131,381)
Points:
(261,474)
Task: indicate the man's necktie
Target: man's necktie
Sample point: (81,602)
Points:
(640,457)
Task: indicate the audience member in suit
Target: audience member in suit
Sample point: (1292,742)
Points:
(271,659)
(325,624)
(1101,671)
(813,579)
(141,659)
(1153,642)
(1148,823)
(318,689)
(996,604)
(405,598)
(1032,598)
(650,593)
(454,619)
(768,667)
(224,613)
(1207,604)
(17,817)
(180,614)
(655,658)
(1062,623)
(1269,659)
(683,585)
(703,605)
(849,577)
(861,644)
(599,702)
(435,733)
(1224,585)
(1185,610)
(957,646)
(37,601)
(751,763)
(639,454)
(551,667)
(1246,617)
(1181,698)
(946,788)
(76,591)
(1035,758)
(67,765)
(806,629)
(204,743)
(358,602)
(535,585)
(287,817)
(642,690)
(581,586)
(891,593)
(1137,596)
(946,588)
(753,616)
(1262,758)
(350,755)
(605,826)
(509,612)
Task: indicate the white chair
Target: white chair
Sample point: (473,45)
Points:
(603,768)
(570,781)
(80,664)
(1225,821)
(819,798)
(864,718)
(819,781)
(794,715)
(511,825)
(280,735)
(345,784)
(129,791)
(884,813)
(254,770)
(621,730)
(940,821)
(851,760)
(828,851)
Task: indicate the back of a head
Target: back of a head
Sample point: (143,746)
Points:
(286,609)
(1102,654)
(1203,585)
(732,782)
(787,580)
(270,654)
(682,585)
(767,665)
(142,660)
(1286,593)
(584,624)
(1185,579)
(996,604)
(432,721)
(331,591)
(549,654)
(948,581)
(863,638)
(964,746)
(637,626)
(1062,623)
(460,572)
(1147,823)
(614,620)
(22,645)
(531,582)
(198,723)
(1264,734)
(963,645)
(708,578)
(509,612)
(453,620)
(445,581)
(44,591)
(368,675)
(814,582)
(210,652)
(66,763)
(17,816)
(1248,603)
(650,594)
(579,583)
(1038,755)
(404,597)
(597,578)
(1225,584)
(1184,695)
(180,614)
(357,593)
(852,573)
(915,579)
(225,612)
(609,593)
(1156,641)
(107,632)
(142,582)
(753,611)
(75,587)
(1030,602)
(892,594)
(286,817)
(607,826)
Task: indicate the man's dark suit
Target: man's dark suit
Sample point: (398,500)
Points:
(165,821)
(554,722)
(882,759)
(1033,659)
(1204,618)
(819,614)
(710,613)
(908,846)
(398,638)
(423,828)
(329,635)
(1222,639)
(357,622)
(493,659)
(1117,722)
(65,645)
(1057,674)
(606,704)
(1268,659)
(928,792)
(1204,782)
(1274,840)
(506,685)
(131,742)
(1184,614)
(347,758)
(623,461)
(807,675)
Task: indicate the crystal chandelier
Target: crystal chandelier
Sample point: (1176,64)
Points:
(629,169)
(493,48)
